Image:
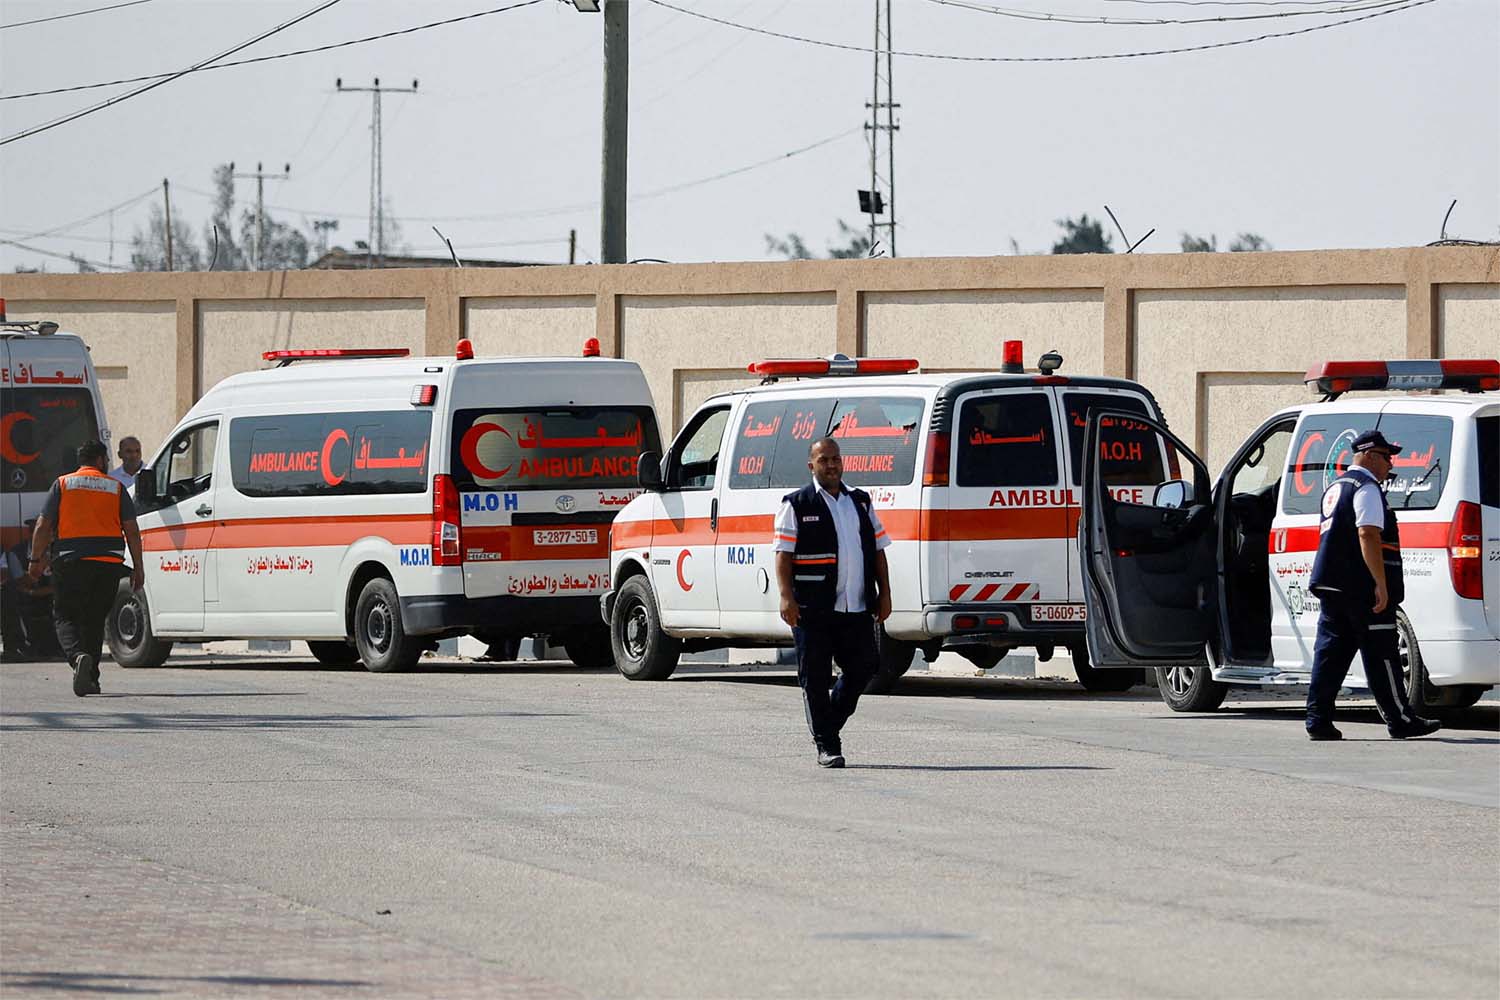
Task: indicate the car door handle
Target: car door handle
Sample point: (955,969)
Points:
(713,515)
(203,510)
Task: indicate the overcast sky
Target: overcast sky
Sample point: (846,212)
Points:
(1354,136)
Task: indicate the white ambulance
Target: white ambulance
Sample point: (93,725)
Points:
(1208,581)
(974,477)
(375,503)
(49,405)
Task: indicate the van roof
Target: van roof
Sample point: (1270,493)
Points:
(1453,402)
(951,382)
(397,367)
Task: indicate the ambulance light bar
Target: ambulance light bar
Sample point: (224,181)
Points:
(284,358)
(838,364)
(1468,374)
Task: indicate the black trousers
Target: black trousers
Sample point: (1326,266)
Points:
(823,638)
(85,593)
(1344,628)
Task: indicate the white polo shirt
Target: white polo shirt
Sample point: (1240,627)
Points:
(851,553)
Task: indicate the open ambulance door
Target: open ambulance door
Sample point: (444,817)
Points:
(1148,554)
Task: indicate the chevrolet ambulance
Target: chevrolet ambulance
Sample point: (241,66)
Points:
(49,405)
(975,477)
(371,503)
(1208,581)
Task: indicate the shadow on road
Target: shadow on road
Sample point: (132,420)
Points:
(1478,718)
(146,722)
(975,767)
(113,983)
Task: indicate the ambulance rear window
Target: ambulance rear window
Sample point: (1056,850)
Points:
(1130,454)
(877,437)
(1007,440)
(40,431)
(556,448)
(338,454)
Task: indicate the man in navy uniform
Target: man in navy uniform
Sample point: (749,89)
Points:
(1357,577)
(830,565)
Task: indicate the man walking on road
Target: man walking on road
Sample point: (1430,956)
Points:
(831,568)
(88,520)
(130,461)
(1357,577)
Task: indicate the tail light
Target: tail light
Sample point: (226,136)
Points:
(935,470)
(447,545)
(1465,553)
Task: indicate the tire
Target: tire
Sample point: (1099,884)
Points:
(1464,695)
(894,658)
(1419,689)
(590,648)
(379,634)
(1190,689)
(642,651)
(333,653)
(1100,681)
(128,631)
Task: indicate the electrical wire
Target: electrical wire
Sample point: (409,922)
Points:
(279,55)
(1045,59)
(65,256)
(109,102)
(90,218)
(76,13)
(1033,15)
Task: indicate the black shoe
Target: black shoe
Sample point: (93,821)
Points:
(84,677)
(826,759)
(1416,727)
(1327,731)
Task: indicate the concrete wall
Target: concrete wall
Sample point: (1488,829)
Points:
(1221,339)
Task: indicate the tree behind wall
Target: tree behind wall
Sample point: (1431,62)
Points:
(148,249)
(854,243)
(1084,235)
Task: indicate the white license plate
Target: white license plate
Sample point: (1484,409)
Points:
(1057,612)
(566,536)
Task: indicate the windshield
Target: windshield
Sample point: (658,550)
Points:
(40,430)
(555,448)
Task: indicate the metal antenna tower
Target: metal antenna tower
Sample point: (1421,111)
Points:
(375,249)
(888,127)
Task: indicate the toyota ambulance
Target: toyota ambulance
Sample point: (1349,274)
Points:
(371,503)
(1208,581)
(975,477)
(49,405)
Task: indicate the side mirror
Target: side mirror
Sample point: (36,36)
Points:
(1175,494)
(145,485)
(648,472)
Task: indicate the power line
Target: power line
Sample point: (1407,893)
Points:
(76,13)
(1033,15)
(150,192)
(66,256)
(74,116)
(1047,59)
(278,55)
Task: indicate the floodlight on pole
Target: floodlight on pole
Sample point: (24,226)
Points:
(587,6)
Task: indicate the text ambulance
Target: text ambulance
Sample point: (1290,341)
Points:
(49,405)
(974,477)
(1209,582)
(376,503)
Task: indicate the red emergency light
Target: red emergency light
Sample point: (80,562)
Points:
(2,310)
(287,357)
(1468,374)
(591,347)
(836,365)
(1012,358)
(465,350)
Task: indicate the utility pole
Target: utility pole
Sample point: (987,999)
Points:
(889,127)
(260,177)
(375,249)
(166,197)
(572,246)
(616,120)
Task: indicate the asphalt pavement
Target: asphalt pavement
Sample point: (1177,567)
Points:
(258,826)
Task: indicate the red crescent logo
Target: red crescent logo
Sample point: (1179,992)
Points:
(682,581)
(328,443)
(7,446)
(468,450)
(1303,486)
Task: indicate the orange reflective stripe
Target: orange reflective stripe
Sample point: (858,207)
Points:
(814,562)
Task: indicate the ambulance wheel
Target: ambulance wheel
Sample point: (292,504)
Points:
(894,658)
(643,652)
(1190,689)
(379,634)
(333,653)
(128,631)
(1099,681)
(1419,690)
(590,648)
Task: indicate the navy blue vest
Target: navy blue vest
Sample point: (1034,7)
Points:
(1340,566)
(815,562)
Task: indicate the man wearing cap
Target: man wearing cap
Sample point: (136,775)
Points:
(86,524)
(1357,578)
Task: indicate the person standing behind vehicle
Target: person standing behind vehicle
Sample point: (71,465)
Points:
(1358,579)
(831,568)
(130,462)
(88,520)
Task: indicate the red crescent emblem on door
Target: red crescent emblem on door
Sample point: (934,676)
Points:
(682,581)
(468,450)
(7,446)
(334,436)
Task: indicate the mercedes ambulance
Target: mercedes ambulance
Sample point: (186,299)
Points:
(1208,581)
(975,478)
(373,503)
(49,405)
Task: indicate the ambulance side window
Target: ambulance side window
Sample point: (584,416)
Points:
(1261,469)
(1130,453)
(1319,454)
(189,462)
(878,437)
(695,457)
(1006,440)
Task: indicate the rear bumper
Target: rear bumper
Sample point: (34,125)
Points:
(937,621)
(522,615)
(1460,661)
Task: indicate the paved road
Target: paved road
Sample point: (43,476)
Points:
(240,827)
